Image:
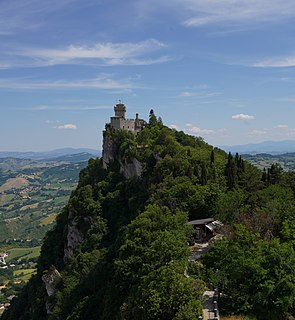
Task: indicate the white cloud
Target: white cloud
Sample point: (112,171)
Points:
(102,54)
(243,117)
(191,129)
(187,94)
(279,62)
(174,126)
(258,132)
(103,82)
(234,12)
(198,130)
(282,126)
(68,126)
(22,15)
(52,121)
(200,93)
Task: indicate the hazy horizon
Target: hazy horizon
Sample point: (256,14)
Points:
(100,149)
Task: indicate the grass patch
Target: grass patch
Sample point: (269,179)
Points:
(14,183)
(23,274)
(6,198)
(48,220)
(29,206)
(24,253)
(61,200)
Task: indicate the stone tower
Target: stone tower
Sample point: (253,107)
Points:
(120,110)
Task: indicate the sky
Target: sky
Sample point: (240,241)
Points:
(220,69)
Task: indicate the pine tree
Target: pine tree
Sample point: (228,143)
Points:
(204,174)
(231,172)
(212,158)
(264,175)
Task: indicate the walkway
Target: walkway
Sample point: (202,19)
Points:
(208,306)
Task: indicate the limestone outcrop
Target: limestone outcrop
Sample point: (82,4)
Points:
(131,169)
(73,237)
(51,280)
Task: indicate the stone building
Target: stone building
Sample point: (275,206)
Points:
(3,255)
(119,121)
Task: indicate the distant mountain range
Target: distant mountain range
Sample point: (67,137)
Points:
(55,155)
(270,147)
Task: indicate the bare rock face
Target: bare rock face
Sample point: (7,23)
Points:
(108,150)
(48,307)
(73,237)
(131,169)
(51,280)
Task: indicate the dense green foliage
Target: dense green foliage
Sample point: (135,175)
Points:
(256,274)
(254,264)
(131,256)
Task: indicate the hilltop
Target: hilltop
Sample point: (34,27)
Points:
(119,247)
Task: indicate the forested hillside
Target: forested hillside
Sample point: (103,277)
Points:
(119,248)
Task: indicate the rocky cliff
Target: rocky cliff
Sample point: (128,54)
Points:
(130,168)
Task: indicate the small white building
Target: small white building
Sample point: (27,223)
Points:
(3,255)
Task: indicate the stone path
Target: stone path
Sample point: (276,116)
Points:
(208,306)
(209,296)
(198,250)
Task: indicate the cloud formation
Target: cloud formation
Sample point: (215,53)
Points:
(282,126)
(22,15)
(102,54)
(101,82)
(187,94)
(258,132)
(196,130)
(242,117)
(68,126)
(234,12)
(174,126)
(276,62)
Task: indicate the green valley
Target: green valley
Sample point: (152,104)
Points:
(32,193)
(265,160)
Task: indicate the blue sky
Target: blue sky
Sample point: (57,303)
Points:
(220,69)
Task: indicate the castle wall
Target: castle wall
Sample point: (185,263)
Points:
(127,124)
(119,123)
(115,122)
